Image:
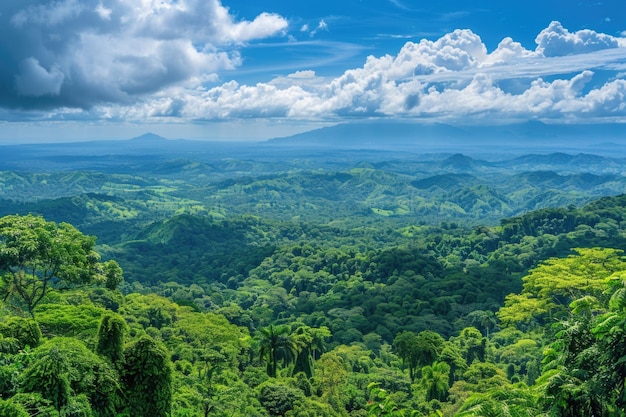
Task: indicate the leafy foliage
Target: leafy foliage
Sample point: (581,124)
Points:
(111,333)
(34,253)
(147,379)
(289,287)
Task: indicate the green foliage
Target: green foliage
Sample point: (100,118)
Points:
(11,409)
(310,342)
(381,405)
(557,282)
(25,332)
(78,406)
(418,350)
(35,252)
(63,368)
(435,381)
(80,321)
(334,266)
(49,376)
(278,398)
(276,345)
(113,274)
(35,404)
(111,333)
(147,379)
(517,401)
(331,375)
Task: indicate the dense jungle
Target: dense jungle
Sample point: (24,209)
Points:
(195,280)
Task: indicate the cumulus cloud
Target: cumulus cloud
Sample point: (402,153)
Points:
(83,53)
(555,40)
(152,69)
(453,77)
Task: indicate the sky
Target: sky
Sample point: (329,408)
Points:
(241,70)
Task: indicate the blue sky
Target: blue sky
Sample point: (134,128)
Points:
(241,70)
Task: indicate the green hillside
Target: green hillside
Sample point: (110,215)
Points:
(367,321)
(353,285)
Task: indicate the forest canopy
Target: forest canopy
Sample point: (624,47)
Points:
(299,334)
(428,286)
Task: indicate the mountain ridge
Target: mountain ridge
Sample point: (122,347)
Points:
(413,136)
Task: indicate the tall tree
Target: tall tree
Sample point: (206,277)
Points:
(35,253)
(309,341)
(435,381)
(276,345)
(147,379)
(111,337)
(417,350)
(113,274)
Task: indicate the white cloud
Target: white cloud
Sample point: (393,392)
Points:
(103,12)
(453,77)
(321,26)
(82,53)
(154,72)
(555,40)
(302,74)
(508,51)
(51,14)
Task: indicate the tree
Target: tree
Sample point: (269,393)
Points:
(381,405)
(276,345)
(472,344)
(49,375)
(63,368)
(584,370)
(451,354)
(309,341)
(550,287)
(417,350)
(279,398)
(435,381)
(404,346)
(514,401)
(37,255)
(486,319)
(113,274)
(147,379)
(25,331)
(331,376)
(111,338)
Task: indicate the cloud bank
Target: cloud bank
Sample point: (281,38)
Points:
(71,53)
(155,60)
(453,78)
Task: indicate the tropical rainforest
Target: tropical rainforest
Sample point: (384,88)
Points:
(250,281)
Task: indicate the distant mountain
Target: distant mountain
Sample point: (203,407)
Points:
(462,162)
(149,137)
(567,162)
(529,136)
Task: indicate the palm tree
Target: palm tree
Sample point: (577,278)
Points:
(310,344)
(276,345)
(435,381)
(486,319)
